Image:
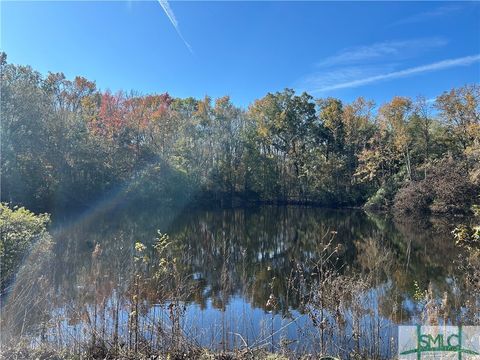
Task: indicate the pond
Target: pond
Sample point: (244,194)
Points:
(302,279)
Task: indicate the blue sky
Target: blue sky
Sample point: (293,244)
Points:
(246,49)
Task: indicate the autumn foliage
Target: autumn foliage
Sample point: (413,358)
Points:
(66,142)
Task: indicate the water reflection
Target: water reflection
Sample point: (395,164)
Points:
(226,267)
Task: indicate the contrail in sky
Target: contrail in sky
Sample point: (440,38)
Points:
(171,16)
(445,64)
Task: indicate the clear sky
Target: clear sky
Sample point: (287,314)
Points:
(246,49)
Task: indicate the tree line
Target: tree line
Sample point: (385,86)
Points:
(66,142)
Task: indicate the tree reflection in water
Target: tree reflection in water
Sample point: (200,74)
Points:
(298,278)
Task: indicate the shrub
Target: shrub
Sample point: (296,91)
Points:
(446,189)
(384,197)
(377,201)
(415,197)
(454,192)
(19,229)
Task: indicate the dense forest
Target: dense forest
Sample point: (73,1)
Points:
(65,143)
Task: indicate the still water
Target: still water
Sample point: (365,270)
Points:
(234,278)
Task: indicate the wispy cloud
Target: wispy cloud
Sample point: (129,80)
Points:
(440,65)
(330,77)
(171,16)
(427,15)
(376,51)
